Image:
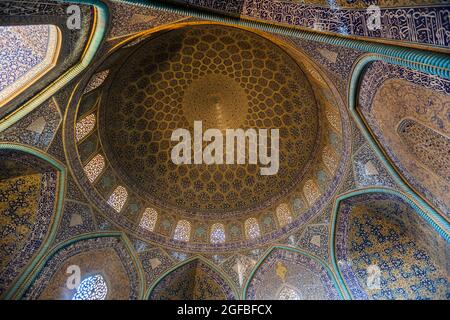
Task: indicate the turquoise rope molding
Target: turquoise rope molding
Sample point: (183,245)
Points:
(51,233)
(417,209)
(421,60)
(433,217)
(116,234)
(416,59)
(336,278)
(179,265)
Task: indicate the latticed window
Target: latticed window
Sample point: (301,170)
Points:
(118,198)
(94,167)
(288,294)
(329,158)
(311,191)
(217,233)
(284,214)
(91,288)
(148,220)
(182,231)
(252,228)
(85,126)
(96,81)
(333,118)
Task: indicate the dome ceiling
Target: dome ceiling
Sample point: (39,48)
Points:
(227,77)
(88,186)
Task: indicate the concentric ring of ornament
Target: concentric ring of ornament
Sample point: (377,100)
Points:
(227,77)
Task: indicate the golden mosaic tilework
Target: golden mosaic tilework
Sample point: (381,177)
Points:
(231,79)
(366,3)
(105,262)
(428,108)
(19,200)
(27,53)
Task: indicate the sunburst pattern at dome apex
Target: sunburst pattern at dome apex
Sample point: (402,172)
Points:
(227,77)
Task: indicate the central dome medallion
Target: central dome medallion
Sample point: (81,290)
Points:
(228,78)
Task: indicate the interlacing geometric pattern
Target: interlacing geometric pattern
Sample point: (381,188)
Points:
(174,79)
(94,167)
(26,52)
(429,146)
(311,191)
(330,158)
(96,81)
(288,293)
(284,215)
(245,235)
(148,220)
(182,231)
(217,233)
(84,127)
(136,120)
(118,198)
(252,228)
(333,118)
(92,288)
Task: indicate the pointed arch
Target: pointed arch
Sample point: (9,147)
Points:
(98,32)
(333,288)
(64,248)
(223,281)
(182,231)
(217,233)
(148,219)
(343,207)
(36,252)
(92,288)
(358,71)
